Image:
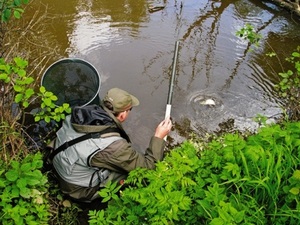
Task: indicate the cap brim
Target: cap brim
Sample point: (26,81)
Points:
(135,101)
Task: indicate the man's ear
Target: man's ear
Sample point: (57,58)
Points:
(122,116)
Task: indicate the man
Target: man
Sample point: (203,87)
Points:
(87,165)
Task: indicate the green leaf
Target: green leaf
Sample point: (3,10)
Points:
(21,183)
(106,199)
(29,92)
(28,80)
(2,183)
(48,94)
(217,221)
(3,76)
(17,2)
(6,14)
(239,217)
(25,104)
(17,14)
(296,174)
(12,175)
(15,192)
(22,73)
(25,192)
(47,119)
(53,98)
(294,191)
(48,102)
(26,167)
(103,194)
(23,211)
(20,62)
(18,98)
(42,89)
(33,182)
(7,80)
(37,118)
(18,88)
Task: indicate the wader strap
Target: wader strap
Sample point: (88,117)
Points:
(82,138)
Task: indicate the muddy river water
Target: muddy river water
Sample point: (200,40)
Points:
(131,44)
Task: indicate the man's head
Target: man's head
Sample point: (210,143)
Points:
(119,101)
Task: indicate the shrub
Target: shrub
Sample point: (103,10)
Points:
(234,180)
(23,188)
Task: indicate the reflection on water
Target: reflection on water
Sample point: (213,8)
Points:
(133,49)
(102,24)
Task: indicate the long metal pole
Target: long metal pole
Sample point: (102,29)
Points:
(171,86)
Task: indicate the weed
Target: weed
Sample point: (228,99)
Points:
(232,180)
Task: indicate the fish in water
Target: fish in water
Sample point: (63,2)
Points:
(208,101)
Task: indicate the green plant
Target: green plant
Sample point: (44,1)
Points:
(11,7)
(110,192)
(289,85)
(49,111)
(23,188)
(260,119)
(248,33)
(15,74)
(17,87)
(233,180)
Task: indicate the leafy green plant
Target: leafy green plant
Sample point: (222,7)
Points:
(233,180)
(49,111)
(14,78)
(23,189)
(248,33)
(110,192)
(20,80)
(11,7)
(289,85)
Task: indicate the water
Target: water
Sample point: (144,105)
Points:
(133,49)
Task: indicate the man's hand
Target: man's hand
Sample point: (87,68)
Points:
(164,128)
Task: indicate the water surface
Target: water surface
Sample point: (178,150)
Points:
(132,48)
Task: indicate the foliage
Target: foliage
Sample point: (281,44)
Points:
(11,7)
(248,33)
(13,77)
(23,188)
(110,192)
(234,180)
(50,111)
(289,85)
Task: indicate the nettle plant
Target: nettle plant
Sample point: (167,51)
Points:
(233,180)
